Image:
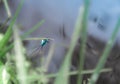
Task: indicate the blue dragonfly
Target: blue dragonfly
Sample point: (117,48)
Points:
(43,42)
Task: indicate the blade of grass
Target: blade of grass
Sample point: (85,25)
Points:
(8,34)
(33,29)
(5,76)
(8,13)
(83,38)
(32,77)
(37,38)
(20,58)
(7,8)
(1,71)
(5,50)
(105,55)
(64,70)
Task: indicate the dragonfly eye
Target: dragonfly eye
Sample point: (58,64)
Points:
(44,42)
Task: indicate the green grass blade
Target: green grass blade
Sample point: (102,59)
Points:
(8,13)
(64,71)
(7,8)
(20,58)
(1,71)
(33,29)
(8,34)
(83,38)
(105,55)
(37,76)
(5,50)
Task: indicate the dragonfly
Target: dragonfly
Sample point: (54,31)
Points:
(43,42)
